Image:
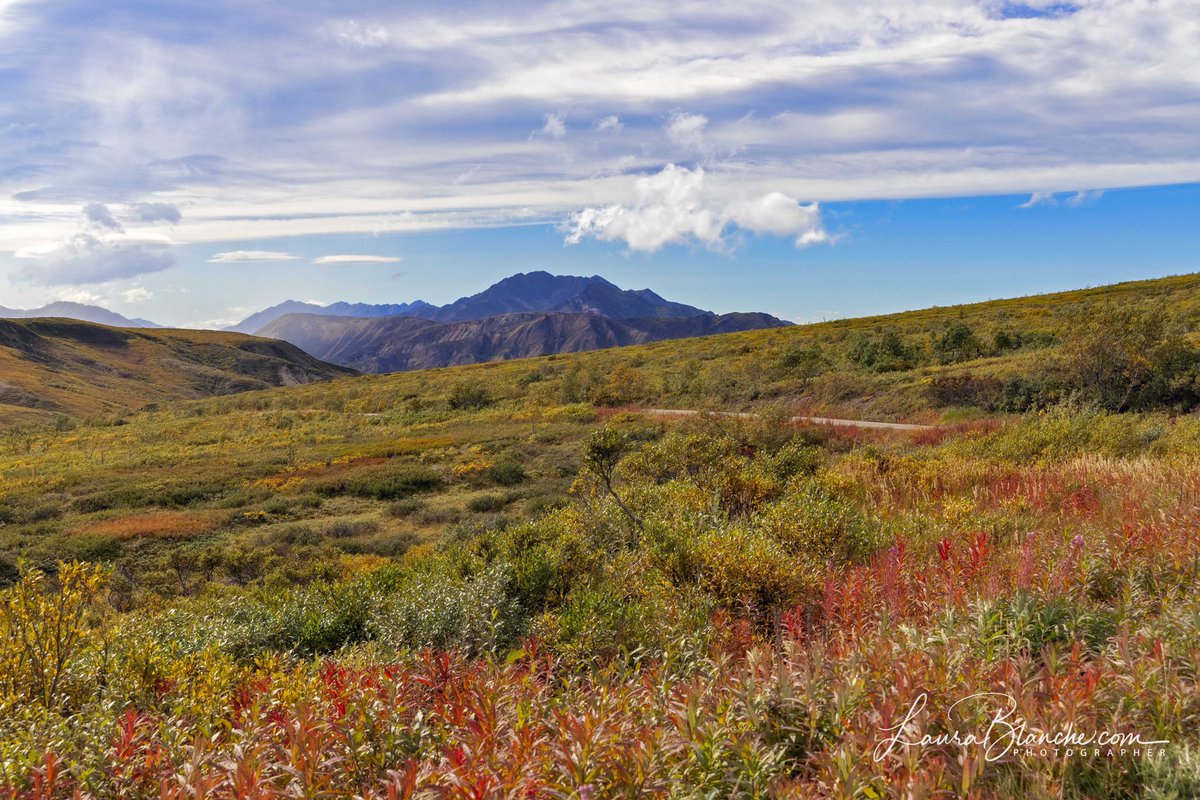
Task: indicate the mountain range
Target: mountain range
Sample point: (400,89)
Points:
(530,291)
(258,320)
(528,314)
(79,311)
(393,344)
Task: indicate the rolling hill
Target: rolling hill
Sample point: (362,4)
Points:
(54,366)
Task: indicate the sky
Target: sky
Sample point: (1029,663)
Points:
(194,161)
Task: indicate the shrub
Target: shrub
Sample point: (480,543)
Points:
(343,529)
(405,508)
(44,625)
(436,609)
(468,396)
(90,547)
(438,516)
(487,503)
(884,352)
(389,483)
(277,507)
(41,513)
(957,343)
(964,389)
(388,545)
(506,473)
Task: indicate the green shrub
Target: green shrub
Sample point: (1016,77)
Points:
(506,473)
(388,545)
(343,529)
(389,483)
(487,503)
(405,508)
(469,396)
(436,609)
(89,547)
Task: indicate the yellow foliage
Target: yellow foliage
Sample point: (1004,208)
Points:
(44,624)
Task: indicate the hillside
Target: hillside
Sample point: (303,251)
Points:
(474,553)
(394,344)
(61,366)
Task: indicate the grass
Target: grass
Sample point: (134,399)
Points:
(394,586)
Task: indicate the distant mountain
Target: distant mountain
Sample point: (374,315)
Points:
(541,291)
(79,311)
(66,366)
(394,344)
(255,321)
(524,292)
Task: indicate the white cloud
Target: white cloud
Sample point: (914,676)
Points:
(90,259)
(352,259)
(555,126)
(675,206)
(309,123)
(1039,199)
(84,296)
(610,124)
(686,131)
(776,214)
(1085,198)
(353,33)
(99,251)
(246,256)
(138,294)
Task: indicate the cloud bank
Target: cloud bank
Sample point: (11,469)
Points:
(410,116)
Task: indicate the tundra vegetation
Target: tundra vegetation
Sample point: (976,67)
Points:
(505,581)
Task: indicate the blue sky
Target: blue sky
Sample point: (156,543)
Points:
(192,162)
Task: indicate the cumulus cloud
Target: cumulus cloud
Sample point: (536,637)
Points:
(777,214)
(138,294)
(248,256)
(90,259)
(555,126)
(98,215)
(157,212)
(352,259)
(675,206)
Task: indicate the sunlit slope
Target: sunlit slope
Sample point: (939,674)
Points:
(907,365)
(58,366)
